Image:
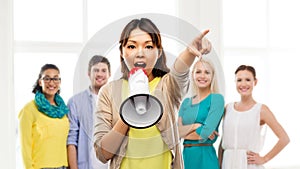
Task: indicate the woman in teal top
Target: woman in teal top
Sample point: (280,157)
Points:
(199,118)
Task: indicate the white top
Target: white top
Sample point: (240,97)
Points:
(138,83)
(242,132)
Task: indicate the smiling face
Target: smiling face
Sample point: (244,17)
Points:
(139,51)
(245,82)
(50,82)
(202,75)
(99,75)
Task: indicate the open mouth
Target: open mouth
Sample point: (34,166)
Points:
(139,64)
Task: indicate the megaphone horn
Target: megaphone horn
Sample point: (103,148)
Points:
(140,109)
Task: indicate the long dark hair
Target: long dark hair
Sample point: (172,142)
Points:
(36,86)
(144,24)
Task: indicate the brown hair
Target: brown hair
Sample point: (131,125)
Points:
(246,67)
(97,59)
(144,24)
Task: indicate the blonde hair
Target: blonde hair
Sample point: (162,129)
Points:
(214,86)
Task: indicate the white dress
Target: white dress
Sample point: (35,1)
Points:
(242,132)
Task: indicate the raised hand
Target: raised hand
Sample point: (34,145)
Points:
(200,45)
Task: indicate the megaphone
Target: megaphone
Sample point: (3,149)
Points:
(140,109)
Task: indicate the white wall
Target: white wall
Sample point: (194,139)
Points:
(7,123)
(205,14)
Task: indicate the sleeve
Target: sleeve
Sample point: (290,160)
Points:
(182,80)
(74,123)
(182,107)
(26,120)
(213,118)
(103,120)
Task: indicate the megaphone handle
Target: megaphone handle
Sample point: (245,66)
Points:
(140,103)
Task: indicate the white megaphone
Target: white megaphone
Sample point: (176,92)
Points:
(140,109)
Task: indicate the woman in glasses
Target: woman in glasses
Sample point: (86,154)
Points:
(43,123)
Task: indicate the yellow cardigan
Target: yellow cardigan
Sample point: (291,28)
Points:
(43,139)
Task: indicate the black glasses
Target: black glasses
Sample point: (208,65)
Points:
(54,79)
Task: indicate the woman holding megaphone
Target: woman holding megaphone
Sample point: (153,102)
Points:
(155,146)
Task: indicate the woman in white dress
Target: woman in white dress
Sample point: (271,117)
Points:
(244,127)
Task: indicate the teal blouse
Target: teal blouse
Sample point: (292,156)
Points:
(208,112)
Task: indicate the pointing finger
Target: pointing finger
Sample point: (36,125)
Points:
(203,33)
